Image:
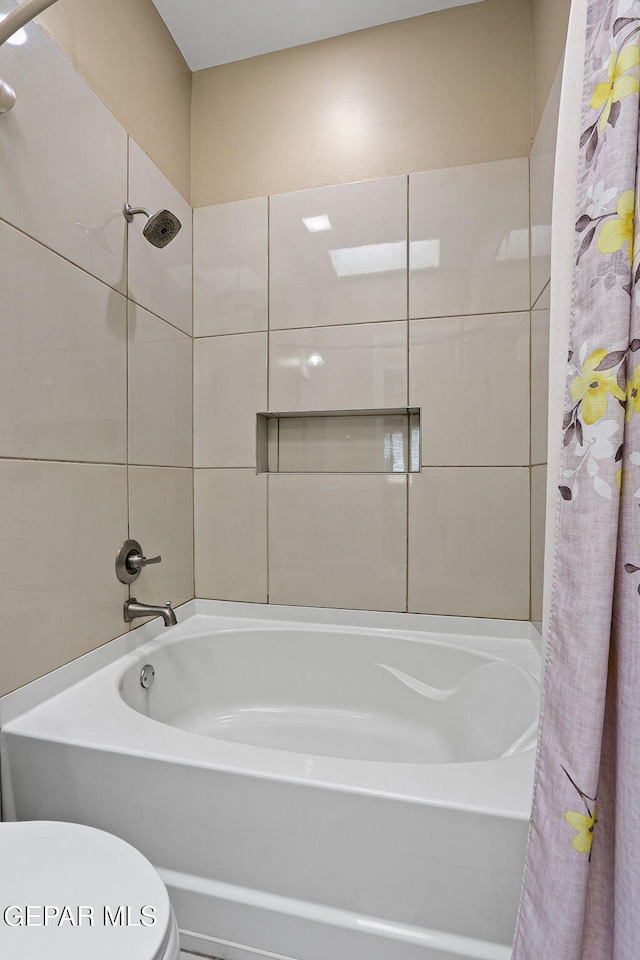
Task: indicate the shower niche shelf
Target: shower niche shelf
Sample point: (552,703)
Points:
(339,441)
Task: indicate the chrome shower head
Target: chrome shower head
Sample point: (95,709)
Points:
(160,229)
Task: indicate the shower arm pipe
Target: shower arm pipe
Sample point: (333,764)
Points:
(17,19)
(21,16)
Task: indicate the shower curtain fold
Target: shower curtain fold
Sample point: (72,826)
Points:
(581,887)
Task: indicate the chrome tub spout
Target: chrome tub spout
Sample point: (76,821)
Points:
(133,609)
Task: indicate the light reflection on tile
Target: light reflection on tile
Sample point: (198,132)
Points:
(353,367)
(479,217)
(354,270)
(58,184)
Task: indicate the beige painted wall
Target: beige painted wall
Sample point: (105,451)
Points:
(549,20)
(445,89)
(126,54)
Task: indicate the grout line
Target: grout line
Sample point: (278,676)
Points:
(96,463)
(61,256)
(408,490)
(365,323)
(267,540)
(530,380)
(408,480)
(533,305)
(474,466)
(530,212)
(158,317)
(173,466)
(373,473)
(124,294)
(268,297)
(530,372)
(193,382)
(128,327)
(126,271)
(127,433)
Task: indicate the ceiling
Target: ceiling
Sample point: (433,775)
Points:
(211,32)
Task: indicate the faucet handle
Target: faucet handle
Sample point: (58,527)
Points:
(136,562)
(130,561)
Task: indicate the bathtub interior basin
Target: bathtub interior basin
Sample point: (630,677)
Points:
(298,778)
(392,699)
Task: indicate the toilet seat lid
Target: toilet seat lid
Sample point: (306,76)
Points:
(103,882)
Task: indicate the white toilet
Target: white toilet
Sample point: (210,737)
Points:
(70,892)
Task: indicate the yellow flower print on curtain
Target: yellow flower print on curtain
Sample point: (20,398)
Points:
(598,446)
(619,231)
(593,387)
(616,229)
(620,84)
(582,822)
(583,840)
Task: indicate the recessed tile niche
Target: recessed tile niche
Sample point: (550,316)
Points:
(347,441)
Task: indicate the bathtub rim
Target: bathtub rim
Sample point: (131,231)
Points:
(17,702)
(496,787)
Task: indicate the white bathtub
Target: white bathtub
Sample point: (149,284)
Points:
(311,784)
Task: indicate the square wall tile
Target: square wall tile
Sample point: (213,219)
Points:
(543,158)
(538,524)
(355,367)
(470,376)
(65,521)
(338,541)
(230,267)
(161,519)
(63,160)
(339,254)
(469,233)
(159,279)
(230,388)
(231,535)
(469,542)
(63,361)
(160,391)
(539,384)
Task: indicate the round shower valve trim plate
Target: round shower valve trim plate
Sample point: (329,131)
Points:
(130,560)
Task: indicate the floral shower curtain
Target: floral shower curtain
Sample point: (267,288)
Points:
(581,890)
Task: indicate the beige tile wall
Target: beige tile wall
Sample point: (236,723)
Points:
(95,412)
(401,291)
(91,381)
